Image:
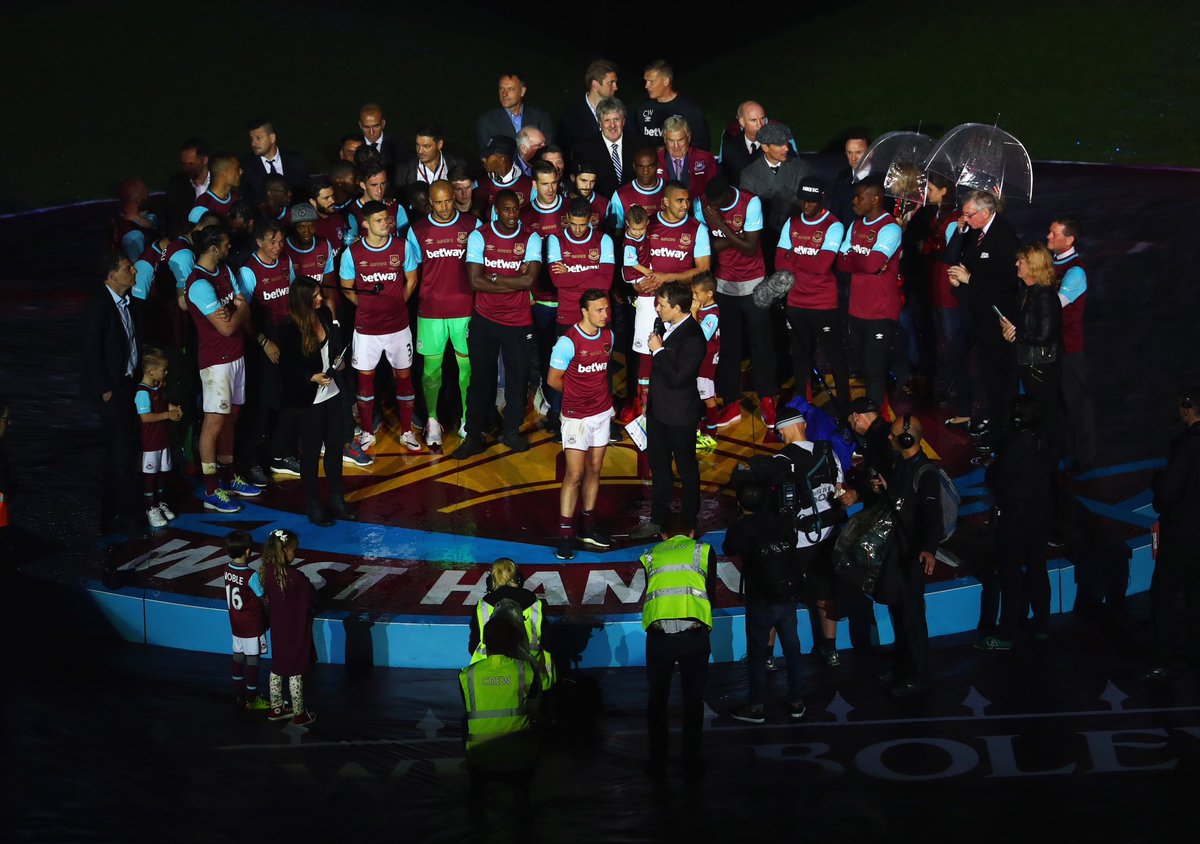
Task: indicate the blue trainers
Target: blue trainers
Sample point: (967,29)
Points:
(220,502)
(239,487)
(354,455)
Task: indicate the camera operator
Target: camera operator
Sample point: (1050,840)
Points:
(873,434)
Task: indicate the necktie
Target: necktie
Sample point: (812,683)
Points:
(775,170)
(616,159)
(678,168)
(271,166)
(378,147)
(979,238)
(127,324)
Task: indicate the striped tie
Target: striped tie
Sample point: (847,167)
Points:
(616,159)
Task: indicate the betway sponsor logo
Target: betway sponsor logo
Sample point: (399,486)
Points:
(598,366)
(663,252)
(501,264)
(805,250)
(374,277)
(268,295)
(582,268)
(444,253)
(859,249)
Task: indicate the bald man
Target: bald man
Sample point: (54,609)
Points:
(739,142)
(530,141)
(372,123)
(225,176)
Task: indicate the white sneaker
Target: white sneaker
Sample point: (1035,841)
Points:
(540,405)
(156,518)
(462,431)
(410,441)
(433,433)
(166,512)
(366,440)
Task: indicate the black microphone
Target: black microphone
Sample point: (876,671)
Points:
(659,328)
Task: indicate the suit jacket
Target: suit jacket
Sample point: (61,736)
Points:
(105,347)
(673,398)
(733,153)
(296,369)
(840,195)
(496,121)
(389,153)
(576,124)
(777,192)
(699,166)
(597,152)
(992,264)
(406,173)
(181,198)
(254,174)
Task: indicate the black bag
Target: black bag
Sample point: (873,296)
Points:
(862,545)
(770,562)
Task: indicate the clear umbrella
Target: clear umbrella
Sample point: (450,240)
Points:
(983,157)
(899,159)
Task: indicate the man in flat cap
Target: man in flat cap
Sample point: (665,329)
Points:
(774,178)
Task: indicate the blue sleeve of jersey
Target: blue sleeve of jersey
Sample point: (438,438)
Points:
(697,211)
(533,247)
(785,239)
(754,221)
(346,271)
(292,272)
(411,247)
(475,247)
(606,250)
(329,262)
(351,228)
(203,296)
(630,256)
(950,230)
(141,400)
(709,326)
(553,249)
(1074,285)
(144,279)
(889,240)
(196,213)
(833,238)
(256,585)
(845,247)
(182,263)
(478,222)
(249,282)
(702,249)
(560,356)
(412,255)
(616,212)
(401,217)
(134,242)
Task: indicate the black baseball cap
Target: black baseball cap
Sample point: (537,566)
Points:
(500,144)
(810,190)
(863,404)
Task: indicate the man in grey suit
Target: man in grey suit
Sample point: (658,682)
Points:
(512,115)
(774,178)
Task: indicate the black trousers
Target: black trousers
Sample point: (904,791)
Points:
(1079,429)
(690,650)
(664,442)
(265,430)
(1175,598)
(320,425)
(1043,384)
(1022,531)
(486,340)
(743,323)
(873,342)
(121,483)
(908,623)
(824,329)
(997,367)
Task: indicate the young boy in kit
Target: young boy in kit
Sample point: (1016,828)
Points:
(635,266)
(707,313)
(247,620)
(151,402)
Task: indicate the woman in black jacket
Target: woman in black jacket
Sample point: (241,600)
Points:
(1037,333)
(310,348)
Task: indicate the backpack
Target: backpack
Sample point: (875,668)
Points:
(948,495)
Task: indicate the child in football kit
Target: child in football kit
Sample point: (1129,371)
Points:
(154,412)
(635,269)
(247,620)
(707,315)
(292,599)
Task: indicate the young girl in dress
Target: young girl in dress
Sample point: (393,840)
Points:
(291,598)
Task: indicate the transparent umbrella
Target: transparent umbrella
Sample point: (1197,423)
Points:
(983,157)
(899,159)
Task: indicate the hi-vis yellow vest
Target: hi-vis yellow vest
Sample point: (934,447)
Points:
(531,615)
(676,573)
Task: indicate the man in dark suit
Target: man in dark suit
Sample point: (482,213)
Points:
(739,142)
(430,162)
(112,326)
(267,158)
(513,114)
(372,123)
(840,195)
(184,187)
(580,119)
(611,151)
(673,407)
(982,255)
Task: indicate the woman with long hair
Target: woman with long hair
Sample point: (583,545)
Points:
(1036,329)
(310,350)
(291,599)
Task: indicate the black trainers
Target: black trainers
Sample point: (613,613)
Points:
(256,476)
(616,433)
(751,713)
(286,466)
(515,441)
(796,709)
(596,537)
(469,447)
(566,548)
